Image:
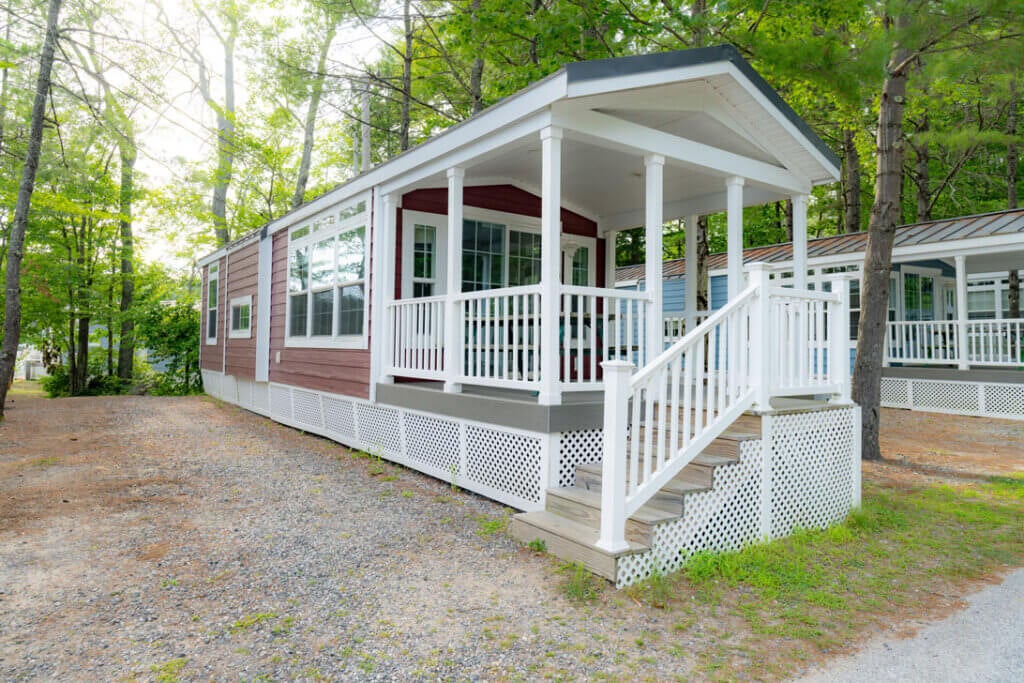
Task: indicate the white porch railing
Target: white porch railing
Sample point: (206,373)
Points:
(997,343)
(925,342)
(769,341)
(417,337)
(500,341)
(675,325)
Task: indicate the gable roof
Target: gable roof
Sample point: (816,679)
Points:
(1006,222)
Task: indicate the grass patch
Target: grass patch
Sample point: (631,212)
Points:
(580,585)
(251,621)
(169,671)
(822,587)
(487,526)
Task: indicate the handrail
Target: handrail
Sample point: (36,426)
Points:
(671,352)
(502,291)
(605,292)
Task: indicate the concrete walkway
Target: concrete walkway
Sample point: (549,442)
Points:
(984,642)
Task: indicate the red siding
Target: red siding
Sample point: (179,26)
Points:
(506,198)
(211,356)
(243,272)
(339,371)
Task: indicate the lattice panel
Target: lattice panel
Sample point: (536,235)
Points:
(575,448)
(505,461)
(895,392)
(306,408)
(723,518)
(340,417)
(261,399)
(280,402)
(433,443)
(960,397)
(378,429)
(1004,399)
(811,469)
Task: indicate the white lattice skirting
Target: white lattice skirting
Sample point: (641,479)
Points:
(504,464)
(981,399)
(803,473)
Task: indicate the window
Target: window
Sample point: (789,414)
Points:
(483,255)
(241,318)
(327,280)
(918,297)
(581,267)
(523,258)
(424,260)
(212,294)
(981,300)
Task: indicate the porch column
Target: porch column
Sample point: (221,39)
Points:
(453,283)
(961,312)
(799,240)
(550,392)
(654,200)
(389,205)
(734,209)
(690,289)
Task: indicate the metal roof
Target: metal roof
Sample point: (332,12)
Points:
(931,232)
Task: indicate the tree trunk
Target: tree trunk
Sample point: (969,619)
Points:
(476,72)
(788,205)
(80,379)
(403,125)
(703,301)
(225,142)
(922,175)
(126,347)
(1012,160)
(885,213)
(16,243)
(851,183)
(311,114)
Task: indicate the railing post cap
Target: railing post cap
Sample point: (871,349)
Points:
(617,365)
(758,266)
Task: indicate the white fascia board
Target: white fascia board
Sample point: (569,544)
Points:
(404,170)
(454,155)
(615,133)
(972,246)
(698,206)
(210,258)
(600,86)
(758,96)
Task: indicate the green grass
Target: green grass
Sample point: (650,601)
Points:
(486,526)
(580,585)
(169,671)
(252,620)
(823,586)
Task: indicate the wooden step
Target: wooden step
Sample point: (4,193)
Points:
(583,505)
(670,497)
(569,540)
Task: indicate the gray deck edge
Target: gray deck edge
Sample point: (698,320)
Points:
(497,410)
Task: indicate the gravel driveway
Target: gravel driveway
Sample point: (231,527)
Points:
(145,537)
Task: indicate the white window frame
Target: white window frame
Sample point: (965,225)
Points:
(936,275)
(212,275)
(511,221)
(242,332)
(439,222)
(325,225)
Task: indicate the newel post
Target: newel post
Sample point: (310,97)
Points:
(617,374)
(839,337)
(761,339)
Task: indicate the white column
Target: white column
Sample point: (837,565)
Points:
(734,208)
(839,337)
(654,201)
(760,330)
(453,320)
(690,290)
(617,375)
(386,280)
(799,240)
(961,311)
(550,259)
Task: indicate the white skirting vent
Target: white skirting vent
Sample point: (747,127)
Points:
(981,399)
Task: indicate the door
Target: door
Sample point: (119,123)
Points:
(424,254)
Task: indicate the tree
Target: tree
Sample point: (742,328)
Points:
(12,304)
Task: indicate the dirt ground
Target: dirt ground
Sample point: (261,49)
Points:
(141,535)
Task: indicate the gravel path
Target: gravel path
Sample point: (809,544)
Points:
(985,642)
(147,536)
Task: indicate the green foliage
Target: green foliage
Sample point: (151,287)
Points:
(579,584)
(169,330)
(56,384)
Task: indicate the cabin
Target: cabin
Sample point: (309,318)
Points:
(952,345)
(454,310)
